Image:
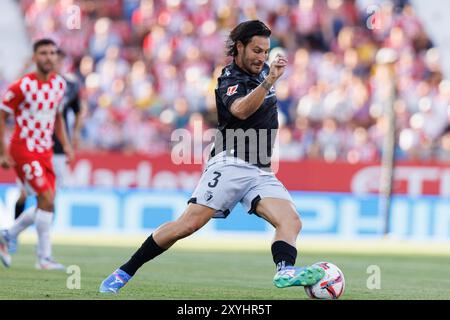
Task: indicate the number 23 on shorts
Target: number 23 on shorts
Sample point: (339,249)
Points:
(32,170)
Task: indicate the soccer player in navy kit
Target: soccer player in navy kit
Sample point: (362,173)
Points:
(239,167)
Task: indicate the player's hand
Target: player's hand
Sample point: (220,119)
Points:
(277,68)
(70,155)
(6,161)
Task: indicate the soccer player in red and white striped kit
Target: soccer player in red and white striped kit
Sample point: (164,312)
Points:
(35,101)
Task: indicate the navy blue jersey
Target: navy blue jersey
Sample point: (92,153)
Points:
(71,103)
(251,139)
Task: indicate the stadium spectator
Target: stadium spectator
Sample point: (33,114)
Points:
(149,63)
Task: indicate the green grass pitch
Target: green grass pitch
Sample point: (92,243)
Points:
(220,275)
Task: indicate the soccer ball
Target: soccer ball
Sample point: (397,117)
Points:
(331,286)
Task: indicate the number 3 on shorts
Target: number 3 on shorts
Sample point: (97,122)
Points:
(32,170)
(215,181)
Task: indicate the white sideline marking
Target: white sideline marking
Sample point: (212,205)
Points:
(257,243)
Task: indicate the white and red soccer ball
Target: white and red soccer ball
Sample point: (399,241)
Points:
(331,286)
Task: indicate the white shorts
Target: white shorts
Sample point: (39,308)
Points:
(228,180)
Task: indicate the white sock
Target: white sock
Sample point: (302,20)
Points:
(43,224)
(25,220)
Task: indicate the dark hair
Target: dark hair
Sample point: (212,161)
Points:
(42,42)
(244,32)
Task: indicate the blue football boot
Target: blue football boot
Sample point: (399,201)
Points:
(115,282)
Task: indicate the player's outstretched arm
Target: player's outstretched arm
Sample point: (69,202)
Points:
(61,134)
(5,160)
(244,107)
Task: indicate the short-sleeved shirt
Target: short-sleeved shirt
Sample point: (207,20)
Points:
(251,139)
(34,104)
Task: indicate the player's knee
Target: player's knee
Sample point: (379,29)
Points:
(46,202)
(295,223)
(191,228)
(50,207)
(185,227)
(193,219)
(299,224)
(22,197)
(290,224)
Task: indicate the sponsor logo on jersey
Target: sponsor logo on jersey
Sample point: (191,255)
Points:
(232,90)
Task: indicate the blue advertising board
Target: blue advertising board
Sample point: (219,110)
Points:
(323,214)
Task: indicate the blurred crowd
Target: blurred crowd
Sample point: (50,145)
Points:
(148,67)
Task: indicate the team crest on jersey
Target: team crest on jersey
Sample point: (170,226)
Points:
(232,90)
